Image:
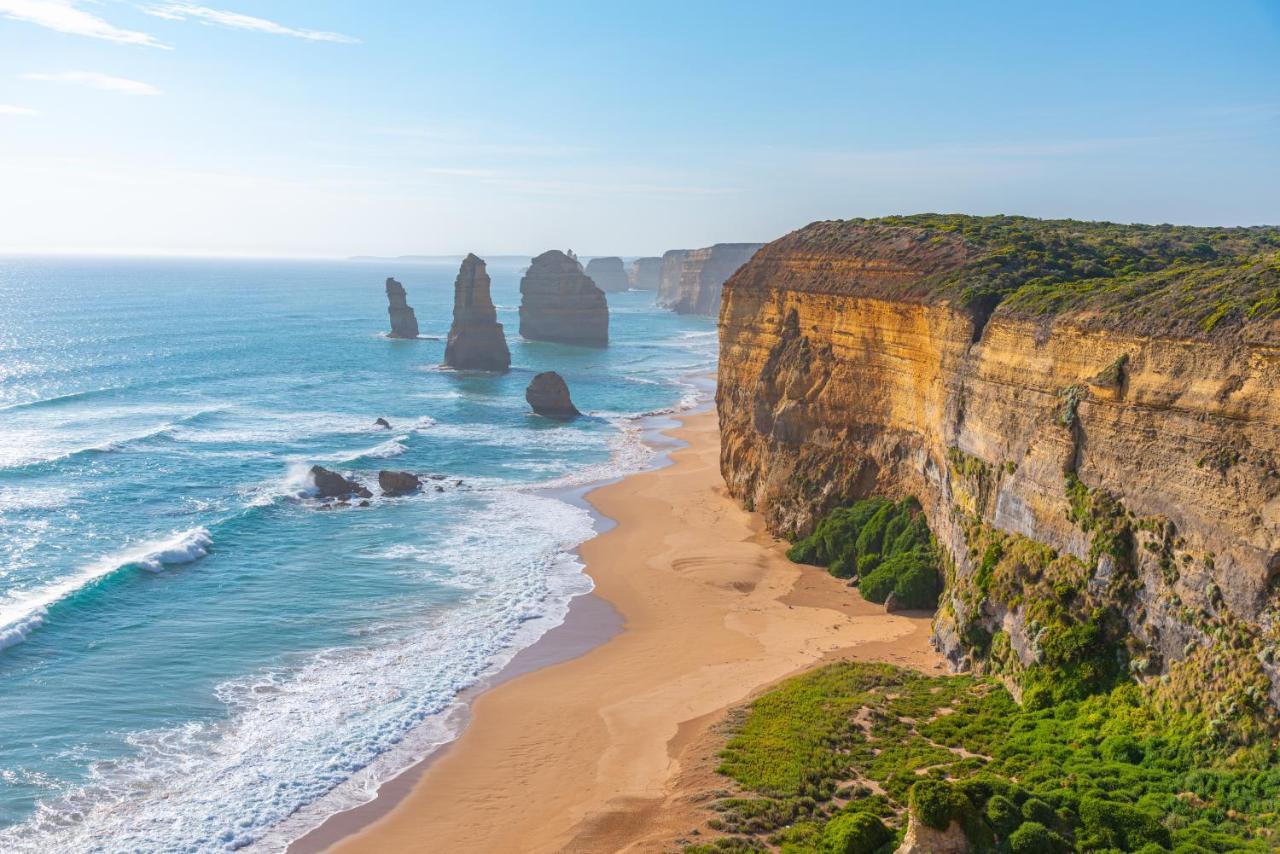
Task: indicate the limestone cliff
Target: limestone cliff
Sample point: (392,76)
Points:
(559,302)
(476,341)
(1089,414)
(669,274)
(404,324)
(702,273)
(644,274)
(608,274)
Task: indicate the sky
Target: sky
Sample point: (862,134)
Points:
(324,128)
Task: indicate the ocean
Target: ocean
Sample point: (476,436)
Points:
(193,655)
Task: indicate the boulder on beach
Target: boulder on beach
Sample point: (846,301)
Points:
(548,394)
(476,342)
(404,324)
(330,484)
(398,482)
(891,604)
(559,302)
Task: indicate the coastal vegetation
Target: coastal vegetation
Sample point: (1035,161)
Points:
(842,758)
(884,546)
(1190,278)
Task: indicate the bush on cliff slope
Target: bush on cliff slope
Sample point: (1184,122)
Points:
(885,545)
(1107,773)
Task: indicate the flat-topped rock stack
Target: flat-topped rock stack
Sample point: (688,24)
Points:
(669,271)
(608,274)
(476,341)
(559,302)
(404,324)
(644,274)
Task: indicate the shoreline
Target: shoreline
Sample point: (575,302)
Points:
(578,743)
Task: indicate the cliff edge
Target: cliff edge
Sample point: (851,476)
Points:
(1088,413)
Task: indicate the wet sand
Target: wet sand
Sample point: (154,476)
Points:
(608,751)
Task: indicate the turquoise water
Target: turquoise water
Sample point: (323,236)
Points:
(193,656)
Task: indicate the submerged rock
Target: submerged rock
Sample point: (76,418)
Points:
(548,394)
(608,274)
(559,302)
(330,484)
(404,324)
(383,423)
(645,274)
(476,341)
(398,482)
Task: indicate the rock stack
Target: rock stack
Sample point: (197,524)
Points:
(608,274)
(403,322)
(645,274)
(559,302)
(548,394)
(476,342)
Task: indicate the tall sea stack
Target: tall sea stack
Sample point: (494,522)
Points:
(645,273)
(559,302)
(608,274)
(476,342)
(403,322)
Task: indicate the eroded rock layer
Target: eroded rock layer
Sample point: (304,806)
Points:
(1106,434)
(608,274)
(559,302)
(645,274)
(669,274)
(404,324)
(702,273)
(476,341)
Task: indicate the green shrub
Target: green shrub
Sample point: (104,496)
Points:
(1034,838)
(854,833)
(1121,748)
(1003,815)
(934,802)
(1119,825)
(1037,810)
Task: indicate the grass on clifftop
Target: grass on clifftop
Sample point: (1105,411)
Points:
(832,760)
(1183,278)
(885,546)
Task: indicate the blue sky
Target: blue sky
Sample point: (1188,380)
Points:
(338,128)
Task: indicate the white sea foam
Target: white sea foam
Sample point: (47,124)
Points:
(21,611)
(350,717)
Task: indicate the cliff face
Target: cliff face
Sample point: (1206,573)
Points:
(702,273)
(1138,470)
(404,324)
(608,274)
(669,274)
(645,274)
(559,302)
(476,341)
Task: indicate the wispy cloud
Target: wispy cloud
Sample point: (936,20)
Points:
(64,17)
(238,21)
(15,110)
(95,80)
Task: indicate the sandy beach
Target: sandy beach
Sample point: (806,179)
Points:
(607,751)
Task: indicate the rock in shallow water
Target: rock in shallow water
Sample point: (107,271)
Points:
(608,274)
(383,423)
(548,394)
(398,482)
(330,484)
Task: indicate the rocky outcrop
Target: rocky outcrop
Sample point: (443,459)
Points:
(920,838)
(1107,427)
(476,341)
(559,302)
(548,394)
(608,274)
(383,423)
(330,484)
(403,322)
(702,273)
(645,274)
(669,275)
(396,483)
